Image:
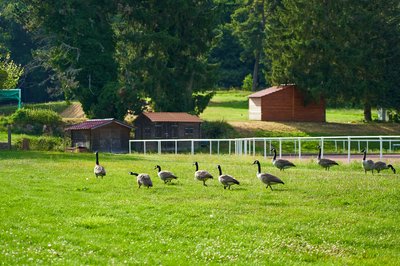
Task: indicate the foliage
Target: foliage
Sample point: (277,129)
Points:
(248,83)
(9,73)
(40,143)
(36,121)
(217,130)
(163,55)
(340,50)
(70,217)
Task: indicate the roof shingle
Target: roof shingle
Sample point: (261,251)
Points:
(172,117)
(95,123)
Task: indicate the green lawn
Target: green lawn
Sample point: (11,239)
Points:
(54,211)
(233,106)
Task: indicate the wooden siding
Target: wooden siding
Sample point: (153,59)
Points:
(111,138)
(288,105)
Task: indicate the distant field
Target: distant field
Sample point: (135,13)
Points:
(55,213)
(233,106)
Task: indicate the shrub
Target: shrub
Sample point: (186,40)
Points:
(37,122)
(248,83)
(217,130)
(42,143)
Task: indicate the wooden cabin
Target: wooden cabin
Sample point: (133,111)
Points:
(284,103)
(106,135)
(167,125)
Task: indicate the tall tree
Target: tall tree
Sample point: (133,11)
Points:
(338,49)
(249,26)
(163,51)
(78,44)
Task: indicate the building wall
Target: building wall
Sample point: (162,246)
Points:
(80,138)
(145,129)
(288,105)
(111,138)
(255,109)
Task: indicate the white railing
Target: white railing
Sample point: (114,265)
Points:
(253,146)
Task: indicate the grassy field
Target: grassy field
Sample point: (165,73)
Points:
(233,106)
(54,211)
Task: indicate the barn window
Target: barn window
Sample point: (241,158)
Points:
(147,132)
(189,131)
(158,131)
(174,131)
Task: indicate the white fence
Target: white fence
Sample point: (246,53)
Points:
(294,146)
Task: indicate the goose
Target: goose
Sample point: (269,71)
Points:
(202,175)
(98,169)
(142,179)
(226,180)
(379,166)
(323,162)
(267,178)
(165,176)
(280,163)
(368,165)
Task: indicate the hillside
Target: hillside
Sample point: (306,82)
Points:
(232,107)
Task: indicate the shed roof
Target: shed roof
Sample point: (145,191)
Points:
(96,123)
(270,90)
(172,117)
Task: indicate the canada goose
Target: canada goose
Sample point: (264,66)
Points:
(98,169)
(280,163)
(368,165)
(325,163)
(267,178)
(201,175)
(143,179)
(165,176)
(379,166)
(226,180)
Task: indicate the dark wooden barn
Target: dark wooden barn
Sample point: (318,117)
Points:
(106,135)
(167,125)
(284,103)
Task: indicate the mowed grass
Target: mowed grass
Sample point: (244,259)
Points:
(54,211)
(233,106)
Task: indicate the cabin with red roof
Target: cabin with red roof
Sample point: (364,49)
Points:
(167,125)
(106,135)
(284,103)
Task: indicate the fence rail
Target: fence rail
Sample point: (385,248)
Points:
(297,146)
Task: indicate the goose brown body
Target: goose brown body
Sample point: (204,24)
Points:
(98,169)
(281,164)
(165,176)
(226,180)
(143,179)
(201,175)
(324,162)
(379,166)
(266,178)
(368,165)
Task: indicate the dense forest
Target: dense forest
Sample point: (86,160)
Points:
(128,55)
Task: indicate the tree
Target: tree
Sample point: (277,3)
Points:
(9,73)
(78,44)
(249,23)
(163,52)
(340,49)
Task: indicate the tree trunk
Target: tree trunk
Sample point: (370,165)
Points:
(255,71)
(367,112)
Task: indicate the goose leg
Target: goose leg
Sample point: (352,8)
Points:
(204,183)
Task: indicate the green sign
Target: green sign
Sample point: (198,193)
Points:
(14,94)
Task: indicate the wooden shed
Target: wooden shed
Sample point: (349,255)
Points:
(167,125)
(106,135)
(284,103)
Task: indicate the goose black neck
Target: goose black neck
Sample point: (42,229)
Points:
(319,153)
(220,170)
(132,173)
(197,166)
(97,158)
(274,154)
(159,168)
(365,155)
(259,166)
